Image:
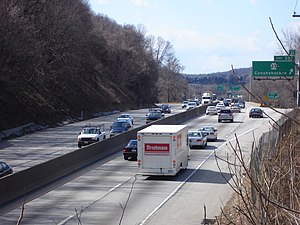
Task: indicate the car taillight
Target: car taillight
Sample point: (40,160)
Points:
(125,150)
(139,163)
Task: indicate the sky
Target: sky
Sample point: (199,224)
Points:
(210,35)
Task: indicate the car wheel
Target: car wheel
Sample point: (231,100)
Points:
(219,121)
(104,137)
(79,145)
(125,157)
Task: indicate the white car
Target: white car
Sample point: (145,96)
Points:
(126,117)
(211,110)
(196,138)
(184,104)
(220,106)
(191,105)
(210,132)
(91,134)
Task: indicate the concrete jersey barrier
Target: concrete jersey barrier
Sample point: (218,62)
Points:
(17,186)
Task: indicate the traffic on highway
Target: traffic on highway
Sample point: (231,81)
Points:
(110,191)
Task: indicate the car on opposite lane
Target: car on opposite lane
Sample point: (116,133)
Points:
(165,108)
(191,105)
(119,127)
(5,169)
(126,116)
(184,104)
(197,139)
(90,134)
(154,114)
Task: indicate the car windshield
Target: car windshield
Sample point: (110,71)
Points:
(119,124)
(255,110)
(124,116)
(225,111)
(155,113)
(205,128)
(90,131)
(3,166)
(195,134)
(132,143)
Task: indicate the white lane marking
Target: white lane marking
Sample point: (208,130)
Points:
(183,182)
(175,191)
(111,190)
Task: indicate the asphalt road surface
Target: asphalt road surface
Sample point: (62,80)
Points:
(110,192)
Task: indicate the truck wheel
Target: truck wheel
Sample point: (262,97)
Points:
(104,137)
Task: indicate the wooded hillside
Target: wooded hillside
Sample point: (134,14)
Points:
(57,58)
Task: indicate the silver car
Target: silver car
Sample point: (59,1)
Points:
(211,110)
(210,132)
(225,114)
(196,138)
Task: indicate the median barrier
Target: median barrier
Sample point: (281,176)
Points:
(17,186)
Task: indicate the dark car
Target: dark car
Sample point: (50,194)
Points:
(165,108)
(130,150)
(256,112)
(241,104)
(5,169)
(119,127)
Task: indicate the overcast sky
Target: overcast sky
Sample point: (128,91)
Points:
(209,35)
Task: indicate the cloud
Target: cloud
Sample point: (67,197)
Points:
(207,52)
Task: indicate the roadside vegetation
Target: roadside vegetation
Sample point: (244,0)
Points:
(266,187)
(59,59)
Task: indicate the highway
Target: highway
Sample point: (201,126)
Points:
(38,147)
(110,192)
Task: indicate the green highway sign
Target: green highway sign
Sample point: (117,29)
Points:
(292,52)
(272,95)
(273,69)
(220,87)
(284,58)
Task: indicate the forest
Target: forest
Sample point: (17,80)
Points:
(58,58)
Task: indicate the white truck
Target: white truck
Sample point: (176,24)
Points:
(206,98)
(91,134)
(162,150)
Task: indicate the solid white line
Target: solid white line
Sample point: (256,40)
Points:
(175,191)
(111,190)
